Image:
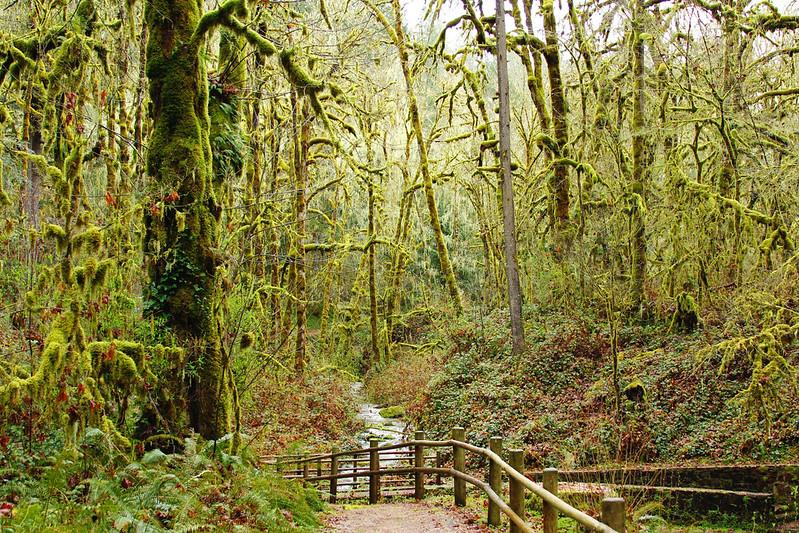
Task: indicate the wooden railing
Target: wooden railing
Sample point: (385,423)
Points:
(350,464)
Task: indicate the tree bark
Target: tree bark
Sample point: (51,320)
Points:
(181,259)
(508,209)
(640,165)
(559,182)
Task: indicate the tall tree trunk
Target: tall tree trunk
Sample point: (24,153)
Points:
(729,183)
(399,259)
(370,188)
(302,135)
(139,121)
(640,163)
(559,182)
(180,241)
(508,209)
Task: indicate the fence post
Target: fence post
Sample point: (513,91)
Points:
(333,472)
(550,513)
(319,467)
(418,462)
(613,513)
(459,464)
(374,466)
(305,468)
(439,464)
(494,480)
(516,461)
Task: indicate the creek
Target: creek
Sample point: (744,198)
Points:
(387,430)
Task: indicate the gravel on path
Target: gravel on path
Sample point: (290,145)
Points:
(402,518)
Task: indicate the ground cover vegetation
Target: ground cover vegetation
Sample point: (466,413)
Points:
(573,224)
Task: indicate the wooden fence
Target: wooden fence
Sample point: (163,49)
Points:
(389,466)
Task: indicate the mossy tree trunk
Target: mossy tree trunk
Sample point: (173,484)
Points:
(559,180)
(399,259)
(139,125)
(729,183)
(182,220)
(372,234)
(531,59)
(302,136)
(273,238)
(641,155)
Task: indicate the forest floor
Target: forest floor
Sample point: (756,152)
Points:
(401,518)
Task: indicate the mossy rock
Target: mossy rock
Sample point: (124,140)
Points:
(396,411)
(635,391)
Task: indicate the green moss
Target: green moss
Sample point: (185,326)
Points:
(297,75)
(686,316)
(635,391)
(91,239)
(396,411)
(183,289)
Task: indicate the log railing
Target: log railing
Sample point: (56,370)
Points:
(365,463)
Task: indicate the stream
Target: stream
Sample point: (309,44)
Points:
(387,430)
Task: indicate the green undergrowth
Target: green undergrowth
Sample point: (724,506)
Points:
(556,400)
(98,488)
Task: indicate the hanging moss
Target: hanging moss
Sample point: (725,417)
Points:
(51,364)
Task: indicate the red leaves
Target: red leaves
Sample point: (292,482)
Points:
(171,198)
(103,98)
(81,388)
(229,89)
(34,336)
(6,509)
(110,201)
(110,353)
(126,483)
(62,395)
(70,102)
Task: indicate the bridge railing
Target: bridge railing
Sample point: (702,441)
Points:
(365,464)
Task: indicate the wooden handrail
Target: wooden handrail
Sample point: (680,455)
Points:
(546,496)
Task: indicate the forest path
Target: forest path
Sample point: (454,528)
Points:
(401,518)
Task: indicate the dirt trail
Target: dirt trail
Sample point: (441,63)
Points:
(401,518)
